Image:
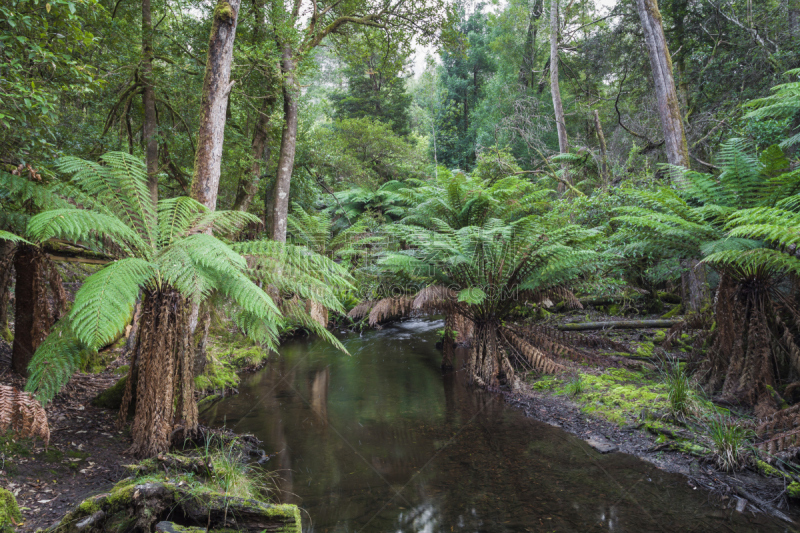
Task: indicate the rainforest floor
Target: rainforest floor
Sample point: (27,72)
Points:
(625,408)
(84,456)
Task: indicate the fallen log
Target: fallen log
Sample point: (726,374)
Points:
(620,324)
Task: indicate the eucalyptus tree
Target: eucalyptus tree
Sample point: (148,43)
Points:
(300,28)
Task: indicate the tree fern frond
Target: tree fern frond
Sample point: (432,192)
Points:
(57,358)
(84,225)
(104,303)
(11,237)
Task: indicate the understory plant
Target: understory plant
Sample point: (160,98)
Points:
(172,258)
(482,273)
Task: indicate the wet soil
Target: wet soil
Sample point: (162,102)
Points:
(85,455)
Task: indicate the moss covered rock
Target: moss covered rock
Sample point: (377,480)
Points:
(9,510)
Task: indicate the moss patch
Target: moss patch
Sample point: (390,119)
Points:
(618,395)
(111,398)
(675,311)
(9,510)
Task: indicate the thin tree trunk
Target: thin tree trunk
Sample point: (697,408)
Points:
(149,103)
(216,89)
(601,139)
(661,64)
(694,286)
(283,180)
(529,51)
(31,315)
(794,19)
(558,106)
(260,153)
(6,268)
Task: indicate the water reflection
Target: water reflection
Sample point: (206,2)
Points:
(382,441)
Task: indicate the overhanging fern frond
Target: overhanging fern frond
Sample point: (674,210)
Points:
(104,304)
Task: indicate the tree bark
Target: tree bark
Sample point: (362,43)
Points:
(694,286)
(601,139)
(794,19)
(283,180)
(149,103)
(214,104)
(31,315)
(260,152)
(620,324)
(529,51)
(661,63)
(558,106)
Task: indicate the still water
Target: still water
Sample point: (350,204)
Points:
(381,441)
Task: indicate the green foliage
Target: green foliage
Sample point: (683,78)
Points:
(729,441)
(679,388)
(494,264)
(159,249)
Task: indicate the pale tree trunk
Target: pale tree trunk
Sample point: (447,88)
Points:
(661,63)
(694,286)
(283,180)
(558,107)
(601,139)
(693,278)
(149,103)
(794,19)
(214,104)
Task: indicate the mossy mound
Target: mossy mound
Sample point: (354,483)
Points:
(9,511)
(137,505)
(111,398)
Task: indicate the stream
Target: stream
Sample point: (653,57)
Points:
(382,441)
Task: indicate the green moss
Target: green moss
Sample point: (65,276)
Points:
(619,395)
(89,507)
(793,490)
(218,375)
(769,470)
(645,349)
(75,454)
(546,383)
(251,355)
(659,337)
(111,398)
(6,334)
(675,311)
(123,370)
(51,456)
(9,510)
(614,310)
(223,11)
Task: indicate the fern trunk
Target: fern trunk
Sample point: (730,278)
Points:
(163,371)
(31,313)
(753,348)
(484,356)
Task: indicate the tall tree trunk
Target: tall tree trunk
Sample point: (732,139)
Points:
(694,286)
(794,19)
(149,103)
(216,89)
(693,277)
(661,64)
(558,107)
(601,139)
(31,315)
(260,152)
(283,180)
(529,50)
